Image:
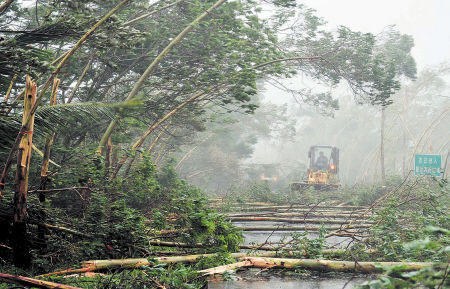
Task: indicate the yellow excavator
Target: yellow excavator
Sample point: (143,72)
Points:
(323,170)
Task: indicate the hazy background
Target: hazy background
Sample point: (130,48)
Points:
(274,142)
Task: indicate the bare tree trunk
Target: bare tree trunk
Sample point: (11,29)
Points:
(80,79)
(5,6)
(44,169)
(383,171)
(21,250)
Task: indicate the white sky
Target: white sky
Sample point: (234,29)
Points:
(427,21)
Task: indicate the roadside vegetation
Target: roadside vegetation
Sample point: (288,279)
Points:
(101,98)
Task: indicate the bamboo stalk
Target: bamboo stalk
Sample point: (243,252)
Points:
(153,65)
(34,283)
(328,265)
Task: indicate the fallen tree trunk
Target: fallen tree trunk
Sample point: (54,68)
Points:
(265,207)
(257,262)
(95,265)
(318,215)
(271,250)
(296,228)
(288,220)
(30,282)
(225,268)
(299,210)
(328,265)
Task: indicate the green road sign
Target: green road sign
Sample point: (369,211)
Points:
(427,165)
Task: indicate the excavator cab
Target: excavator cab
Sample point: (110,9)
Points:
(323,169)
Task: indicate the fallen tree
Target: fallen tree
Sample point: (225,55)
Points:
(271,251)
(296,228)
(31,282)
(249,261)
(288,220)
(304,215)
(329,265)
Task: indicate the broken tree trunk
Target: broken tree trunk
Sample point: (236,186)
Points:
(34,283)
(287,220)
(44,169)
(318,215)
(329,265)
(276,207)
(95,265)
(258,262)
(21,250)
(272,251)
(297,228)
(225,268)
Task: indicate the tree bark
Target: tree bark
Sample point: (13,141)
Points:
(44,169)
(328,265)
(21,250)
(33,283)
(296,228)
(5,6)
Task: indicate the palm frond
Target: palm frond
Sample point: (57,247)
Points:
(58,118)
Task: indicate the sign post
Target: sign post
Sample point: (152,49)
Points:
(427,165)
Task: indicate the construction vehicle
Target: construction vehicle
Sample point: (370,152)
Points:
(323,170)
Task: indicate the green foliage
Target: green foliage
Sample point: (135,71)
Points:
(215,260)
(308,247)
(176,276)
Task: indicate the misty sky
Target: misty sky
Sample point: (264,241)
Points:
(427,21)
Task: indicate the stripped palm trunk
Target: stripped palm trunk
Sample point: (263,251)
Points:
(21,250)
(44,169)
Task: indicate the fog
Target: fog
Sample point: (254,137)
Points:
(273,143)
